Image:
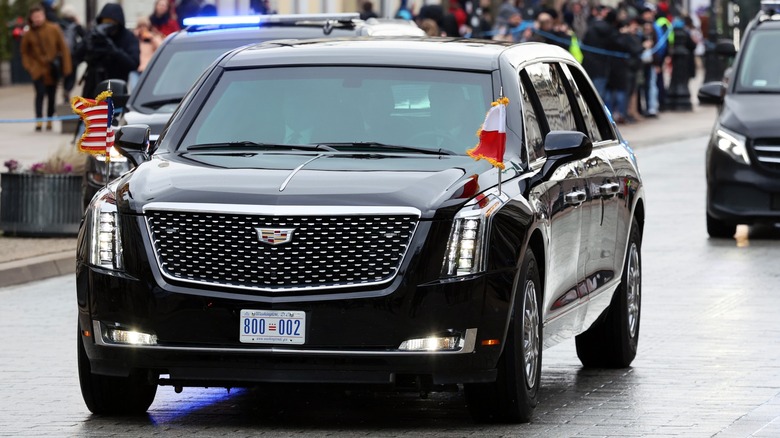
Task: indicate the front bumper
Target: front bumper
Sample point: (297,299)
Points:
(740,193)
(352,340)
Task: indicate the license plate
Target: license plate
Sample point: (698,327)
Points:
(272,327)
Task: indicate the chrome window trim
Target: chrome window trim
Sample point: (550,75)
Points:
(469,345)
(276,210)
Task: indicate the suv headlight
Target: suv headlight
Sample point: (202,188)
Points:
(467,246)
(732,144)
(105,241)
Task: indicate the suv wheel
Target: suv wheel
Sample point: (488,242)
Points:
(720,229)
(113,395)
(515,393)
(612,341)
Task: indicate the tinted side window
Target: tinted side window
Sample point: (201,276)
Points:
(534,140)
(555,103)
(590,107)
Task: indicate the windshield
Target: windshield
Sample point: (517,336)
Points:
(760,69)
(174,71)
(348,108)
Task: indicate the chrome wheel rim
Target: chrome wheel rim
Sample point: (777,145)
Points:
(531,342)
(633,290)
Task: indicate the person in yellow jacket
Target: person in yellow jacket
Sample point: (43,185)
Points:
(42,45)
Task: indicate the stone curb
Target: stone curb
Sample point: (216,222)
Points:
(37,268)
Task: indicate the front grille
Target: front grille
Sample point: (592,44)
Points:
(324,252)
(767,151)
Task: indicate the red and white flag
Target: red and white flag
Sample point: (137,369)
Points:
(492,135)
(97,115)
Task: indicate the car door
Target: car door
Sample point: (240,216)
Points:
(601,263)
(560,198)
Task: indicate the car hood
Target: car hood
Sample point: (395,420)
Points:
(425,182)
(753,115)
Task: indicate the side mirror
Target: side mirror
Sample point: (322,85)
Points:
(725,48)
(567,144)
(561,147)
(712,93)
(132,141)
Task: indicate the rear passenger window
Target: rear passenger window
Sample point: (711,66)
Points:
(553,98)
(596,120)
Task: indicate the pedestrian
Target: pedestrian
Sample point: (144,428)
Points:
(367,10)
(163,18)
(600,39)
(46,57)
(149,39)
(74,37)
(110,50)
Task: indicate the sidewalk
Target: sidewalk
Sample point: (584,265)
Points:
(28,259)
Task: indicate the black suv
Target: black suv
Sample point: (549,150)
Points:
(743,155)
(183,56)
(310,214)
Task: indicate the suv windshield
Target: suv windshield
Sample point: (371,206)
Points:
(176,69)
(760,69)
(345,107)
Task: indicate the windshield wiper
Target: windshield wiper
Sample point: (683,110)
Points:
(254,146)
(372,145)
(155,104)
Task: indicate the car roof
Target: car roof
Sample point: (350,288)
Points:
(430,52)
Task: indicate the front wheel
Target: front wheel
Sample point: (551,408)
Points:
(131,395)
(612,341)
(515,393)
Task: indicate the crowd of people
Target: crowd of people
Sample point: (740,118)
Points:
(626,50)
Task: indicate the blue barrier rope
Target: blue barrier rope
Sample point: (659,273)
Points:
(50,119)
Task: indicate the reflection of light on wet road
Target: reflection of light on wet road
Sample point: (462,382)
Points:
(742,235)
(199,399)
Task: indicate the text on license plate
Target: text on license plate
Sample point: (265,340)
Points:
(272,327)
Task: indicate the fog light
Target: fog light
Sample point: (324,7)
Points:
(432,344)
(118,336)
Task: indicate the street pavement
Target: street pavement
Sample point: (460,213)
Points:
(28,259)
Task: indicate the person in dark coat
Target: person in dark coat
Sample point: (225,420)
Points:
(110,50)
(602,35)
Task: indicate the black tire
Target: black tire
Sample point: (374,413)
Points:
(109,395)
(515,393)
(613,340)
(719,229)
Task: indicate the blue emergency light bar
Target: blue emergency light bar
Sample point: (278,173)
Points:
(248,20)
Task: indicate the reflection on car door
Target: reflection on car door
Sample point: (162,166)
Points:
(561,199)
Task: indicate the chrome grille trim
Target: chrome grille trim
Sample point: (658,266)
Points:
(334,248)
(767,151)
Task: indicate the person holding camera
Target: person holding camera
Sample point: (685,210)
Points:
(110,50)
(46,57)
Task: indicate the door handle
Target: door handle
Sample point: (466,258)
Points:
(575,198)
(609,189)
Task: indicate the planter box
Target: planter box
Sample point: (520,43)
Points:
(40,205)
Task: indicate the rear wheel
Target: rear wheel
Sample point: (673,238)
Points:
(514,395)
(110,395)
(612,341)
(720,229)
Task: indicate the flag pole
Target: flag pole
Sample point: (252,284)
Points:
(109,115)
(500,96)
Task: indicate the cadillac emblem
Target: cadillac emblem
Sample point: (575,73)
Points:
(274,236)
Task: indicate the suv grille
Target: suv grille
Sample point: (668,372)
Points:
(225,249)
(768,152)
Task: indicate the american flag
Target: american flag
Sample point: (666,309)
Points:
(97,115)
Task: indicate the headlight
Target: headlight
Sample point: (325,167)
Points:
(466,249)
(733,144)
(105,243)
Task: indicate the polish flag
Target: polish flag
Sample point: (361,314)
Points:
(492,136)
(97,115)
